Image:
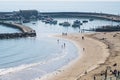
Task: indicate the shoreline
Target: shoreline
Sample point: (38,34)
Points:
(85,62)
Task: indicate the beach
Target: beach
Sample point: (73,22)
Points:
(93,51)
(63,43)
(112,40)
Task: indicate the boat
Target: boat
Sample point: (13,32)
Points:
(91,19)
(26,21)
(53,22)
(76,23)
(50,21)
(66,24)
(60,24)
(33,23)
(43,20)
(47,21)
(84,21)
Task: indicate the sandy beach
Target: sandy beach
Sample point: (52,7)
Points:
(112,40)
(93,54)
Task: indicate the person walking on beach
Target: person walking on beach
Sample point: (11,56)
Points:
(58,40)
(85,72)
(61,46)
(66,34)
(62,34)
(83,49)
(82,37)
(64,45)
(94,77)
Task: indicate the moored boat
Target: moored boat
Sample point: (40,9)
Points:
(53,22)
(76,23)
(84,21)
(26,21)
(91,19)
(66,24)
(60,24)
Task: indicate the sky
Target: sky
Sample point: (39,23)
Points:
(106,6)
(57,0)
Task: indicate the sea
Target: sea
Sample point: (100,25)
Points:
(31,58)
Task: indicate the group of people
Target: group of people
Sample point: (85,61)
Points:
(63,45)
(64,34)
(109,74)
(116,73)
(83,39)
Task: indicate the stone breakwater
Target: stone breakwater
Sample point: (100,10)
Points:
(26,31)
(16,35)
(105,16)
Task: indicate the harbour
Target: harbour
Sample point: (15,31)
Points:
(45,40)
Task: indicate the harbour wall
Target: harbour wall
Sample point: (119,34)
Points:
(26,31)
(106,16)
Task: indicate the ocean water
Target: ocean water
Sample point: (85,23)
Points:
(30,58)
(4,29)
(34,57)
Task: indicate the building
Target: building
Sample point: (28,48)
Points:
(28,14)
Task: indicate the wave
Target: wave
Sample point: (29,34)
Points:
(26,66)
(23,59)
(9,55)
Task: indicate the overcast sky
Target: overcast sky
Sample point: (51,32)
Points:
(58,0)
(110,6)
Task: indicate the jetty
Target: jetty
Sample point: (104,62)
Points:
(34,14)
(105,16)
(25,31)
(28,14)
(107,28)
